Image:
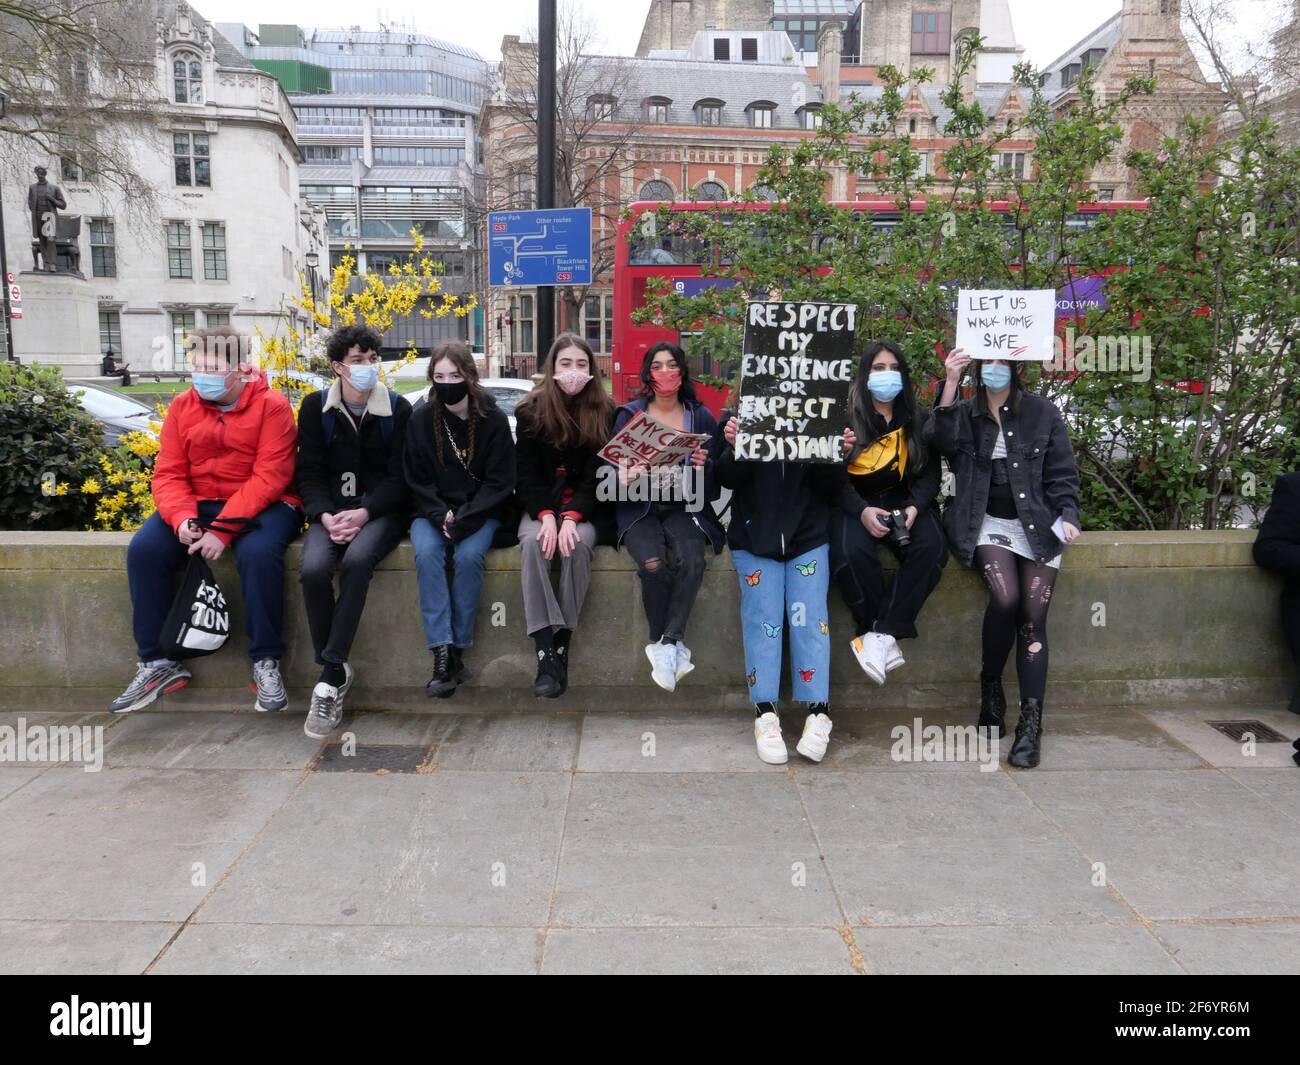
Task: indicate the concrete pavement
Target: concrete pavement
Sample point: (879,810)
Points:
(552,842)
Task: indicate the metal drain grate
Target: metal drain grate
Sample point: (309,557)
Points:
(1237,730)
(373,758)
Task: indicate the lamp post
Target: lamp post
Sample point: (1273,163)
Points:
(545,157)
(312,259)
(4,262)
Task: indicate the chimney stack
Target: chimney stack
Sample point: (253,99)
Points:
(830,46)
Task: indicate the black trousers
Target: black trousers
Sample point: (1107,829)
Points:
(855,561)
(668,548)
(334,624)
(1291,618)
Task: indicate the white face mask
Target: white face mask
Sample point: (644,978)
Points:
(363,376)
(572,382)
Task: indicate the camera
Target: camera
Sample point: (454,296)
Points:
(898,531)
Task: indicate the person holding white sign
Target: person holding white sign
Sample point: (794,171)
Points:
(1015,508)
(887,501)
(666,522)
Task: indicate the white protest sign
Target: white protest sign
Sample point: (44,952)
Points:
(646,441)
(1014,324)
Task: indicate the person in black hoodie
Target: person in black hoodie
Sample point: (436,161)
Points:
(892,482)
(561,426)
(779,536)
(1015,508)
(460,469)
(349,475)
(1277,548)
(667,524)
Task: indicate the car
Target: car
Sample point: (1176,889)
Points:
(507,391)
(299,383)
(116,413)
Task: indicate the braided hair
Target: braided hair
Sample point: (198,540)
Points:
(458,353)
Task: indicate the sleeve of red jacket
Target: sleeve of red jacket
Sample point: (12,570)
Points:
(173,494)
(277,448)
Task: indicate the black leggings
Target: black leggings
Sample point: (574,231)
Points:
(1020,591)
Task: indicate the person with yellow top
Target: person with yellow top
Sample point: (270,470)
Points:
(888,498)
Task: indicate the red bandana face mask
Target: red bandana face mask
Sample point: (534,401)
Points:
(665,382)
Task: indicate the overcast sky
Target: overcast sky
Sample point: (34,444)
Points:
(1045,27)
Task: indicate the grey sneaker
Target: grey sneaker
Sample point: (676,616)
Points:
(326,711)
(152,679)
(269,686)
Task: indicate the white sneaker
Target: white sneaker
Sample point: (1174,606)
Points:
(767,734)
(869,652)
(684,663)
(816,736)
(663,663)
(893,656)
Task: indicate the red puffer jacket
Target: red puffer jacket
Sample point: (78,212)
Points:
(244,456)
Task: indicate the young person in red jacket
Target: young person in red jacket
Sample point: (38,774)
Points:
(228,451)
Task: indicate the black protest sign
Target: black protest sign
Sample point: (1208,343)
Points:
(794,381)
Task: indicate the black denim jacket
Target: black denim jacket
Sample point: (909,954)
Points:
(1040,464)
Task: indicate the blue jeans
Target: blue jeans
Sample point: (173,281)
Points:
(448,614)
(155,558)
(776,594)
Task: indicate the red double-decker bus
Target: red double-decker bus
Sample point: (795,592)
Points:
(689,266)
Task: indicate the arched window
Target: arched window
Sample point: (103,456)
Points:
(602,107)
(764,192)
(762,114)
(810,116)
(709,112)
(656,190)
(711,190)
(187,78)
(656,110)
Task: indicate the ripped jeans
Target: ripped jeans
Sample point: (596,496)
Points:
(1020,592)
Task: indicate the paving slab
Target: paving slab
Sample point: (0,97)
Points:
(1026,949)
(320,950)
(178,740)
(1265,948)
(128,844)
(690,849)
(1178,844)
(669,743)
(1190,727)
(83,948)
(81,747)
(693,951)
(14,778)
(472,849)
(393,727)
(524,742)
(948,848)
(1278,787)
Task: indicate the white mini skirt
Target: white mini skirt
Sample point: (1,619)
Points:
(1009,533)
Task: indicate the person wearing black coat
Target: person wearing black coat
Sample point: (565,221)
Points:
(1277,548)
(780,543)
(349,476)
(1015,509)
(459,466)
(888,498)
(665,516)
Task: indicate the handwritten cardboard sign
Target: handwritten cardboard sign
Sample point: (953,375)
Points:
(794,381)
(645,441)
(1014,324)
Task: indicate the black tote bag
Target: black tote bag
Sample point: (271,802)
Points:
(199,620)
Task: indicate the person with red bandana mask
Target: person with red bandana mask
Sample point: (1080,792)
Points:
(666,525)
(560,428)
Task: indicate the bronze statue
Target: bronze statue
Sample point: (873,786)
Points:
(45,201)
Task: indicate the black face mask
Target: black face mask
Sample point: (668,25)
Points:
(451,392)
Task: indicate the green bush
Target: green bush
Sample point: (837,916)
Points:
(48,448)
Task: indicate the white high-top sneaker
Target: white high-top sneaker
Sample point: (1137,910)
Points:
(870,653)
(893,656)
(816,737)
(767,734)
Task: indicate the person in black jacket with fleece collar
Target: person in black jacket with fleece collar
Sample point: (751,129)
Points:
(1277,548)
(561,425)
(779,536)
(460,468)
(349,475)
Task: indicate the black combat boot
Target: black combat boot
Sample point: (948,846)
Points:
(441,686)
(993,705)
(1029,732)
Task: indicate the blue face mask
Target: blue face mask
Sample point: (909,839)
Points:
(995,378)
(211,386)
(363,378)
(885,385)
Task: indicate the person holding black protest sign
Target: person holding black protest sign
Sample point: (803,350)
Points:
(667,530)
(1016,507)
(888,499)
(1277,548)
(561,426)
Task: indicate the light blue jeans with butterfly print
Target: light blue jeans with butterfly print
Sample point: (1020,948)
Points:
(774,595)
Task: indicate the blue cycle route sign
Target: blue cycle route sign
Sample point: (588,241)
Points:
(539,247)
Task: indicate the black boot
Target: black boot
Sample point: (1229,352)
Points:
(1295,701)
(563,637)
(1029,731)
(460,672)
(441,686)
(547,684)
(993,705)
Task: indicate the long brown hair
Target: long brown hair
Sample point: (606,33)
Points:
(462,357)
(581,421)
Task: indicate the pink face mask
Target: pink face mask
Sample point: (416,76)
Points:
(572,382)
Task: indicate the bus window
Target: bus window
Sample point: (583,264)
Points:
(665,249)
